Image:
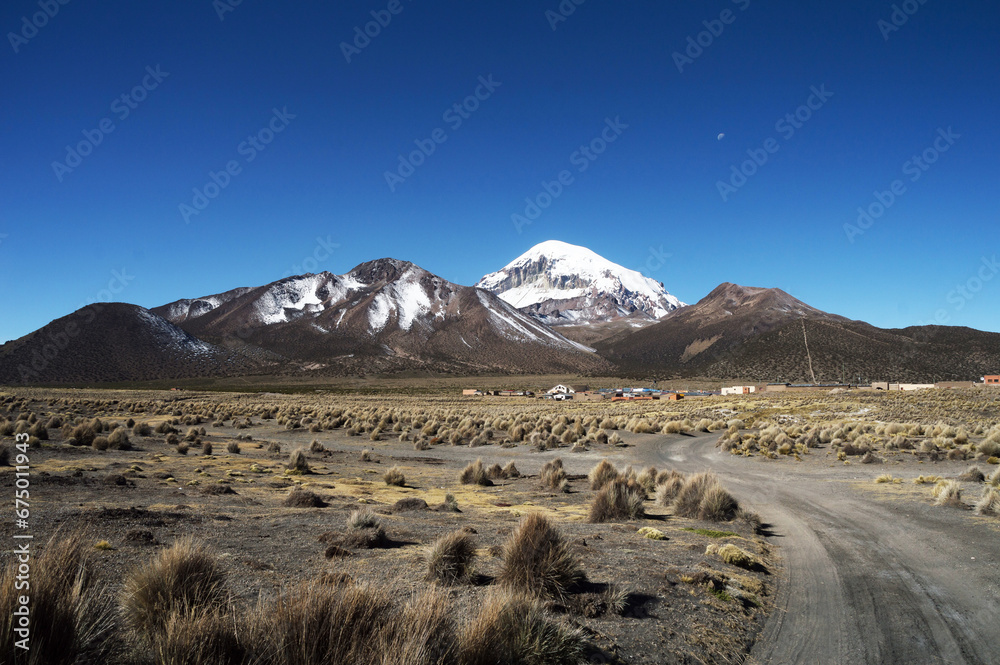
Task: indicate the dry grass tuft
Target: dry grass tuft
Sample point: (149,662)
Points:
(395,477)
(536,560)
(323,623)
(70,619)
(180,578)
(449,559)
(193,637)
(300,498)
(620,499)
(989,504)
(602,474)
(297,462)
(512,628)
(475,474)
(948,493)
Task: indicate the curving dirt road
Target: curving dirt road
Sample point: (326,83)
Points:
(865,581)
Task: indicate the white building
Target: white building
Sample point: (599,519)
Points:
(567,390)
(739,390)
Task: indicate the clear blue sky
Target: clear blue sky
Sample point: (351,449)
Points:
(65,233)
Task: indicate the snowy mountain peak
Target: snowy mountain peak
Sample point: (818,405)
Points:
(564,284)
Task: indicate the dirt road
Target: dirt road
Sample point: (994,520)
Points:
(865,580)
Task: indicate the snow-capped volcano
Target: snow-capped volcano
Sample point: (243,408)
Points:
(563,284)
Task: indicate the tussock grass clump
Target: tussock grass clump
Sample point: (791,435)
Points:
(394,477)
(926,480)
(192,637)
(667,491)
(885,478)
(512,628)
(185,576)
(536,560)
(702,497)
(948,493)
(973,475)
(300,498)
(70,619)
(510,471)
(989,504)
(553,475)
(602,474)
(689,497)
(322,623)
(449,559)
(621,499)
(718,505)
(233,448)
(475,474)
(363,518)
(297,462)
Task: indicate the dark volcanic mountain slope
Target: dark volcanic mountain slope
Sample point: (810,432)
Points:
(384,315)
(761,334)
(112,342)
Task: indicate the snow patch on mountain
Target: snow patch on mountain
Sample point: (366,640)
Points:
(169,335)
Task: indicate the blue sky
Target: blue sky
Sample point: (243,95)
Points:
(267,91)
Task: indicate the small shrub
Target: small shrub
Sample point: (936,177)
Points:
(182,448)
(206,447)
(450,558)
(233,447)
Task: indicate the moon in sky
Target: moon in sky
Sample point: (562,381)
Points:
(721,136)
